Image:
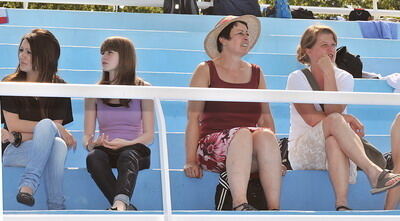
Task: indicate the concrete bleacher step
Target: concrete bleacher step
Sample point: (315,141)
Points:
(166,60)
(285,44)
(301,190)
(177,61)
(140,21)
(81,192)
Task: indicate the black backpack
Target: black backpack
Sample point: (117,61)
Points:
(302,14)
(237,7)
(181,7)
(269,11)
(359,14)
(255,192)
(223,197)
(349,62)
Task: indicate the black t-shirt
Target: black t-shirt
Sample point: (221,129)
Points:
(28,108)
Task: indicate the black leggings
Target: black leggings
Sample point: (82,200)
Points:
(128,161)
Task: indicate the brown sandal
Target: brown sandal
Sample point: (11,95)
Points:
(383,178)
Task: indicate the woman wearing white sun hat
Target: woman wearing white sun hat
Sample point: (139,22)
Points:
(233,136)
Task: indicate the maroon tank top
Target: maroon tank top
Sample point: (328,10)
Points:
(218,115)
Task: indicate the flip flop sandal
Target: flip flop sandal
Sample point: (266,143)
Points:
(383,179)
(342,208)
(25,198)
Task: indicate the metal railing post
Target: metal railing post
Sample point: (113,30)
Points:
(165,181)
(375,7)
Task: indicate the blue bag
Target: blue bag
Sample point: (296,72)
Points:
(282,9)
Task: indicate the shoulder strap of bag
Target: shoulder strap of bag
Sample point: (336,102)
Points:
(223,180)
(311,80)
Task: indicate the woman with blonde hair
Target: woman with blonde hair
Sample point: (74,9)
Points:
(324,137)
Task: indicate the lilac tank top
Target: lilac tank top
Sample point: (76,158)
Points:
(120,122)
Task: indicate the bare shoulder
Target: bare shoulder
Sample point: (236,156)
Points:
(246,64)
(201,76)
(202,69)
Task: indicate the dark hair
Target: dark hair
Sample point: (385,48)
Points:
(225,33)
(45,54)
(126,70)
(45,51)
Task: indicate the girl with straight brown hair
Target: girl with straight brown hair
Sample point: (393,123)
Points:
(126,127)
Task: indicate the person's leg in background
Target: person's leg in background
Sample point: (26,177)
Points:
(393,195)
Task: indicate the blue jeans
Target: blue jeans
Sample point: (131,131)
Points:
(43,155)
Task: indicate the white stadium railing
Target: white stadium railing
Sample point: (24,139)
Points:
(159,3)
(179,93)
(196,94)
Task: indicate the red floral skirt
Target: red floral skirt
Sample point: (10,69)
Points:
(212,148)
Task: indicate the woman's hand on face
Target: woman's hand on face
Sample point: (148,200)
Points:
(193,170)
(326,65)
(116,143)
(6,136)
